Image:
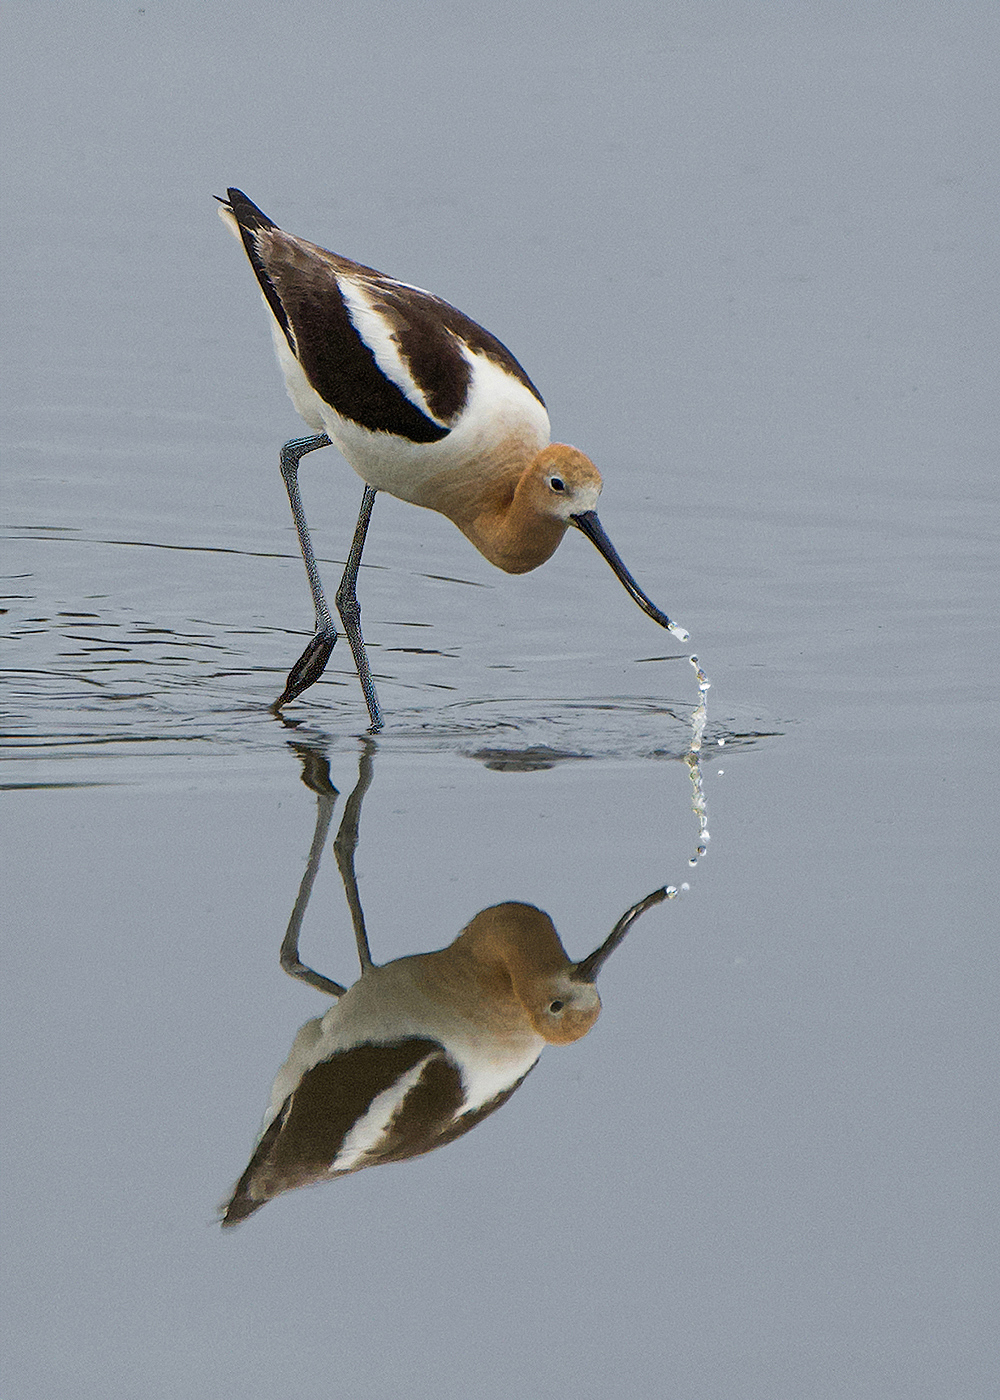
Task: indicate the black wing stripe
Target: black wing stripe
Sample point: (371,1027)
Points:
(427,331)
(251,220)
(302,1142)
(337,362)
(475,1116)
(428,1110)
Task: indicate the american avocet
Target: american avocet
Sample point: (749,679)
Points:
(418,1050)
(424,404)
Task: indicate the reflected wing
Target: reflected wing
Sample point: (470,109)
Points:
(363,1107)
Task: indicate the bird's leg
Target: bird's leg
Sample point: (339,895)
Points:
(350,609)
(312,663)
(326,796)
(345,844)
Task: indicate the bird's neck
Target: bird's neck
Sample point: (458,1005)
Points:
(491,503)
(515,945)
(501,958)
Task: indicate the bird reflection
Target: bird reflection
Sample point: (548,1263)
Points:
(421,1049)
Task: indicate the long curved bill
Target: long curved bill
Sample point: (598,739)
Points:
(587,970)
(588,522)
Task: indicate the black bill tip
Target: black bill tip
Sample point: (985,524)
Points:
(591,526)
(587,970)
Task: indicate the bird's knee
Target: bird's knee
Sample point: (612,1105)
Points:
(349,609)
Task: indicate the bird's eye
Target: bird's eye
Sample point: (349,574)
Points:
(556,1006)
(557,483)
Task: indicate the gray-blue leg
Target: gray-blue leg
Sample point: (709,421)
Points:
(312,663)
(350,609)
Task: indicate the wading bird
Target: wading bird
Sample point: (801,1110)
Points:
(423,403)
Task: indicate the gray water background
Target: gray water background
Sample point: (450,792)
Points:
(749,253)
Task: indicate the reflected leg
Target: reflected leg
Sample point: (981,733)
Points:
(344,846)
(326,796)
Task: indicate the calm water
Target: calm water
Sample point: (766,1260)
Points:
(746,257)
